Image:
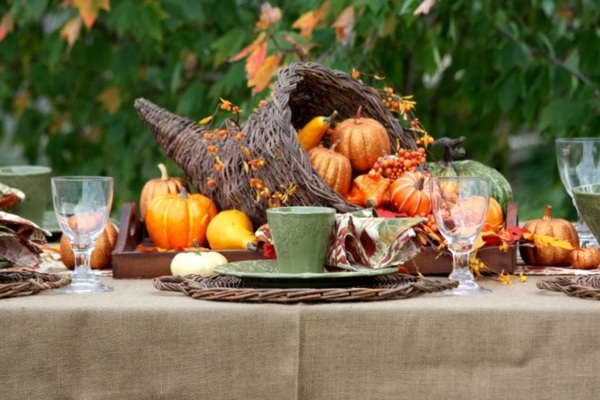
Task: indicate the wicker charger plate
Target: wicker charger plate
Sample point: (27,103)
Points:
(231,288)
(25,283)
(586,287)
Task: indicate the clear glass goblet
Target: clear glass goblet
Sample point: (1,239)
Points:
(578,161)
(82,206)
(459,206)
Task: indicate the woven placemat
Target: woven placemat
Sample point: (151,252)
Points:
(26,283)
(230,288)
(586,287)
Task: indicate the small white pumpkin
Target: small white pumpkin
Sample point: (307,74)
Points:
(201,263)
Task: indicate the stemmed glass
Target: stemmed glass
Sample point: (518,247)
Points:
(82,206)
(578,162)
(459,206)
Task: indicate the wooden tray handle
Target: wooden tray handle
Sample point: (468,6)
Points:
(131,229)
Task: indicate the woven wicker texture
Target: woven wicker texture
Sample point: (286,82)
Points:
(302,91)
(230,288)
(586,287)
(25,283)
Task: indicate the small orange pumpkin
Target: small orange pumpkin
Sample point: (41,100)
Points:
(103,248)
(158,186)
(410,194)
(557,228)
(369,190)
(362,140)
(177,220)
(585,258)
(334,168)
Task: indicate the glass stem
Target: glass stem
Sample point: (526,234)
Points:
(83,271)
(461,270)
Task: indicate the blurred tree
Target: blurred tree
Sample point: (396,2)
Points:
(491,71)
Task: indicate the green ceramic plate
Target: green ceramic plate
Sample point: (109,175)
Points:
(264,273)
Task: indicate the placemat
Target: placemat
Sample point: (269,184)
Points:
(230,288)
(586,287)
(25,283)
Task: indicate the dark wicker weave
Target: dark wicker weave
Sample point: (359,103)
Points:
(231,288)
(25,283)
(302,91)
(585,287)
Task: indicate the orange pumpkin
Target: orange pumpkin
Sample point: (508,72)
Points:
(333,167)
(410,194)
(494,217)
(585,258)
(362,140)
(369,190)
(158,186)
(177,220)
(103,248)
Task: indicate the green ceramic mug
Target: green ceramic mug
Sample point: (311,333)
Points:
(301,236)
(34,181)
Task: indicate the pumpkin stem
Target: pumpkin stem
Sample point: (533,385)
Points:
(183,194)
(358,115)
(419,184)
(334,145)
(163,172)
(452,149)
(197,247)
(547,213)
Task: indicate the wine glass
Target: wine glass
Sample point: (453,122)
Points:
(459,206)
(578,162)
(82,206)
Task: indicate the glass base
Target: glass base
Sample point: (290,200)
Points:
(467,288)
(84,288)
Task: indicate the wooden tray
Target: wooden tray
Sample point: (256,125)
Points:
(129,263)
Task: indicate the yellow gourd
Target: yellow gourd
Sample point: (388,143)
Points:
(231,229)
(312,133)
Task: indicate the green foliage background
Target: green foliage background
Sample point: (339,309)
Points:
(496,72)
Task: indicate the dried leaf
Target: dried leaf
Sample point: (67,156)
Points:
(255,61)
(71,30)
(343,25)
(89,9)
(20,240)
(269,15)
(250,48)
(7,24)
(309,20)
(545,240)
(110,98)
(206,120)
(263,76)
(425,7)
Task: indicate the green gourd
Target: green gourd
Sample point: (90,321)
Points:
(449,167)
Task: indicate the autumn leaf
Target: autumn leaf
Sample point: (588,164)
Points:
(71,30)
(309,20)
(110,98)
(303,48)
(262,78)
(250,48)
(269,15)
(7,24)
(343,26)
(256,60)
(425,7)
(89,9)
(545,240)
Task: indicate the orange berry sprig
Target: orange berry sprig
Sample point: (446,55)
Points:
(392,166)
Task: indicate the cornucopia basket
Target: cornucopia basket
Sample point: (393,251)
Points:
(302,91)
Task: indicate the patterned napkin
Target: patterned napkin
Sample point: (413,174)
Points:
(362,241)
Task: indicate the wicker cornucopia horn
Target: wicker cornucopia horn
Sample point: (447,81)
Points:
(302,91)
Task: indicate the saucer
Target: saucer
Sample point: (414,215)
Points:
(264,273)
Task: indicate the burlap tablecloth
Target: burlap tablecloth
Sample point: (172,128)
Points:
(139,343)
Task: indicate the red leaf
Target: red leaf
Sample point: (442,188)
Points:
(269,251)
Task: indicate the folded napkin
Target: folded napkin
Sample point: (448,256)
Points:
(362,241)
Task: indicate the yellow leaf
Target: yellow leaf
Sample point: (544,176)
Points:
(269,15)
(263,77)
(505,279)
(522,277)
(545,240)
(71,30)
(89,9)
(7,24)
(250,48)
(205,121)
(343,25)
(110,98)
(256,60)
